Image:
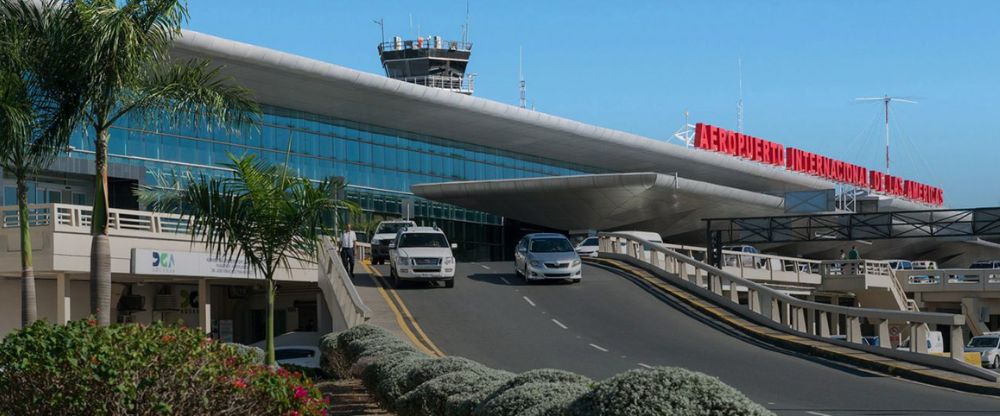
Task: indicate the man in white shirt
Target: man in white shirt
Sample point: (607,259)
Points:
(347,240)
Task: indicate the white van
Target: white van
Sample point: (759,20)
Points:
(935,342)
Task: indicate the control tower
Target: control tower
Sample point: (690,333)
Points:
(430,61)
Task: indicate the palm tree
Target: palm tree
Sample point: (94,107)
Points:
(130,42)
(43,83)
(262,216)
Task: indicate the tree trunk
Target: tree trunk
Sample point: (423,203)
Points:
(269,333)
(29,308)
(100,246)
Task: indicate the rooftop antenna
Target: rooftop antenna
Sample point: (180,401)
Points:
(886,99)
(686,133)
(739,100)
(520,74)
(465,27)
(381,24)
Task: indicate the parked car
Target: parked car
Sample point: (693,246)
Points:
(746,260)
(300,355)
(421,254)
(988,347)
(899,264)
(986,264)
(935,342)
(384,233)
(588,247)
(645,235)
(544,256)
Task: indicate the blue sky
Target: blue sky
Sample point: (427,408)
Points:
(638,65)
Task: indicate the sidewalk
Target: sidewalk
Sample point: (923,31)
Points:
(382,314)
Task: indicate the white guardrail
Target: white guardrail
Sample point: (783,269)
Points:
(337,287)
(68,217)
(781,308)
(949,280)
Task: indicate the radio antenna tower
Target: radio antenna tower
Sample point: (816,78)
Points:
(886,99)
(465,27)
(739,100)
(520,75)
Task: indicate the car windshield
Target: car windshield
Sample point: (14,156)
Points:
(981,265)
(422,240)
(550,245)
(592,241)
(390,227)
(983,342)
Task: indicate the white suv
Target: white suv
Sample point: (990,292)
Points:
(421,253)
(384,233)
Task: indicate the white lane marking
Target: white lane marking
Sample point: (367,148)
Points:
(484,266)
(598,347)
(560,324)
(504,280)
(645,366)
(817,413)
(529,301)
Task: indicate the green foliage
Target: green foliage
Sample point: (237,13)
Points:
(82,368)
(664,391)
(532,399)
(431,397)
(410,383)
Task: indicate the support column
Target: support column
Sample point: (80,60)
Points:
(957,343)
(324,322)
(883,334)
(918,338)
(63,292)
(811,317)
(854,329)
(205,306)
(835,317)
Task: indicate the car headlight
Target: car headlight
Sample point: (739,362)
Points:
(403,261)
(535,263)
(576,262)
(449,260)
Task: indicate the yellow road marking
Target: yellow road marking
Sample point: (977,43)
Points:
(423,341)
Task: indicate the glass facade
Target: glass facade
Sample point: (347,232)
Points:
(379,164)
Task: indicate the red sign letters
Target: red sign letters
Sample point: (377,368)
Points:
(748,147)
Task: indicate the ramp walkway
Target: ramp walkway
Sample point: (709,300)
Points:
(797,324)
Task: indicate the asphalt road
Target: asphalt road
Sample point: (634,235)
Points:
(607,324)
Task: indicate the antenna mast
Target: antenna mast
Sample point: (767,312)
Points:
(739,101)
(520,75)
(465,28)
(886,99)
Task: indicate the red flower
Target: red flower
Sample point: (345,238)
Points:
(240,383)
(91,322)
(301,392)
(293,413)
(167,338)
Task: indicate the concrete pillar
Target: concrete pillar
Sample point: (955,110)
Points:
(824,324)
(854,329)
(63,297)
(811,317)
(835,318)
(734,294)
(204,306)
(918,338)
(324,322)
(957,342)
(883,334)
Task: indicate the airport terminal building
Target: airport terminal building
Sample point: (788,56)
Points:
(483,171)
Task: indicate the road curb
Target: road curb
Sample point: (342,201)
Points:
(794,342)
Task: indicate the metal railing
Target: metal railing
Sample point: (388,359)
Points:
(337,287)
(78,218)
(430,42)
(798,315)
(949,280)
(760,267)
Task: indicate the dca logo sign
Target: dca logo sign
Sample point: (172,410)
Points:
(163,260)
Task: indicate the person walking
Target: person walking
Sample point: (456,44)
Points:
(347,240)
(843,256)
(853,254)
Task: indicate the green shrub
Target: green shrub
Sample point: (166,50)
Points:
(534,399)
(438,367)
(255,354)
(544,375)
(385,376)
(82,368)
(664,391)
(431,397)
(340,351)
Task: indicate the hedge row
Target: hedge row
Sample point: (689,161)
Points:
(412,383)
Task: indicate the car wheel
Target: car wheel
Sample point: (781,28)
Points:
(525,273)
(516,270)
(396,282)
(574,281)
(996,362)
(450,283)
